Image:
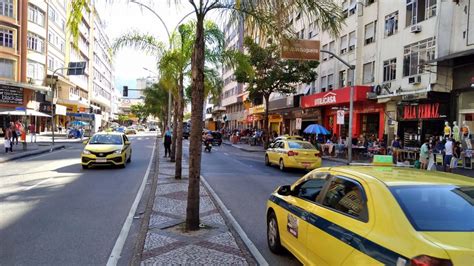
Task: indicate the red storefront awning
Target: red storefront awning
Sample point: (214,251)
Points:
(335,97)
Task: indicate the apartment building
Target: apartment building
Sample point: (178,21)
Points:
(233,94)
(401,85)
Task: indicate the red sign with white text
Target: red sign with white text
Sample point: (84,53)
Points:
(335,97)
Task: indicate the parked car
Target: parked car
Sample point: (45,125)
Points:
(130,131)
(107,149)
(141,128)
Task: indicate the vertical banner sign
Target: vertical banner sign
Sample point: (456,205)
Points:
(340,117)
(299,121)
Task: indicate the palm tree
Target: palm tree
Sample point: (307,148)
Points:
(269,17)
(156,102)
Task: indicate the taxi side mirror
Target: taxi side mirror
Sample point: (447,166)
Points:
(284,190)
(127,142)
(85,142)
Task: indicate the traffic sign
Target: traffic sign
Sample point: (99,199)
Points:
(299,121)
(340,117)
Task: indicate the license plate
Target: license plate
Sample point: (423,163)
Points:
(101,160)
(306,164)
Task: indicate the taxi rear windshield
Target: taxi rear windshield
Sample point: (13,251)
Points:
(300,145)
(437,208)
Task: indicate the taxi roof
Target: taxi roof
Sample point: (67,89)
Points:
(399,176)
(109,133)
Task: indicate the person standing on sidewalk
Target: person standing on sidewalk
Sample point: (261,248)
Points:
(424,155)
(167,142)
(32,130)
(448,154)
(8,143)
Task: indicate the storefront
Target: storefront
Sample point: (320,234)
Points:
(368,116)
(283,114)
(424,118)
(257,113)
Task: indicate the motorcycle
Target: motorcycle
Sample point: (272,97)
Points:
(208,145)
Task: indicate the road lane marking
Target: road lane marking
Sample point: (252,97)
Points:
(37,184)
(118,247)
(225,153)
(250,245)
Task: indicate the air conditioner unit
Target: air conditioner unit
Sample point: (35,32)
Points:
(415,28)
(414,80)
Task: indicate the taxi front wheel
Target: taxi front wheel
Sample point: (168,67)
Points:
(282,165)
(267,161)
(273,236)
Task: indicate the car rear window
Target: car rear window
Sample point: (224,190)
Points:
(300,145)
(437,208)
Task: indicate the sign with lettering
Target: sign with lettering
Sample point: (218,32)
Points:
(340,117)
(299,122)
(335,97)
(11,95)
(300,49)
(421,111)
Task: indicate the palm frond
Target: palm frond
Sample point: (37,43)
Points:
(139,41)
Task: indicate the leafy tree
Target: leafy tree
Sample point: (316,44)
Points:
(270,17)
(266,73)
(156,102)
(139,111)
(122,119)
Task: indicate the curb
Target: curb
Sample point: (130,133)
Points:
(28,154)
(240,148)
(253,249)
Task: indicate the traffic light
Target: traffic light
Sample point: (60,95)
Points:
(125,91)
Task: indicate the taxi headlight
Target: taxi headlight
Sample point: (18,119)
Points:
(86,152)
(118,152)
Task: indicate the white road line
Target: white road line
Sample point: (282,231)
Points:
(39,156)
(225,153)
(250,245)
(37,184)
(118,247)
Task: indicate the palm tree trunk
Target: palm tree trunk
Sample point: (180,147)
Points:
(197,72)
(179,129)
(175,122)
(265,123)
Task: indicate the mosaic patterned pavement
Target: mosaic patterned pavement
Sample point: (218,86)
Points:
(167,243)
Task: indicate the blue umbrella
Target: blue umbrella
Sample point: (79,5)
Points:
(316,129)
(79,123)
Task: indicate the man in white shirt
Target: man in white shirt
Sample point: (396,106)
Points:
(448,154)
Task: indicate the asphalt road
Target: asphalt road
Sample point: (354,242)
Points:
(55,213)
(244,183)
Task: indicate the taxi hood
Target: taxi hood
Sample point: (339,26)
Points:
(103,147)
(458,245)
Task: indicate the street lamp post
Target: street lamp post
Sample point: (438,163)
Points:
(170,46)
(351,105)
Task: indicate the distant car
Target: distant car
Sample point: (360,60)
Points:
(141,128)
(293,154)
(152,128)
(374,215)
(107,149)
(130,131)
(120,129)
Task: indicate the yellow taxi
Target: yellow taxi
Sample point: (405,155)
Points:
(107,148)
(374,215)
(292,153)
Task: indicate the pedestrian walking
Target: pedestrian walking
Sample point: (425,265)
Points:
(167,142)
(424,154)
(8,143)
(448,154)
(456,154)
(32,130)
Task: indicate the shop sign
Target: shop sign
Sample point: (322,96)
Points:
(275,119)
(11,95)
(339,96)
(60,109)
(340,117)
(249,118)
(257,109)
(299,123)
(422,111)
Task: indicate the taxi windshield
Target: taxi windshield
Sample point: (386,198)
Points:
(300,145)
(106,139)
(437,208)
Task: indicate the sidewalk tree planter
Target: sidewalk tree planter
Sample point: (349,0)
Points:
(265,73)
(270,17)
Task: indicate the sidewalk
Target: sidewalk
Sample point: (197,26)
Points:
(166,241)
(31,149)
(244,147)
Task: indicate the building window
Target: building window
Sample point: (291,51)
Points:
(330,82)
(6,37)
(35,15)
(325,55)
(342,78)
(345,8)
(419,10)
(391,24)
(416,54)
(35,70)
(350,77)
(430,9)
(352,40)
(352,7)
(6,8)
(7,68)
(368,72)
(343,44)
(52,14)
(35,43)
(389,70)
(324,84)
(50,63)
(332,48)
(370,32)
(369,2)
(298,16)
(302,34)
